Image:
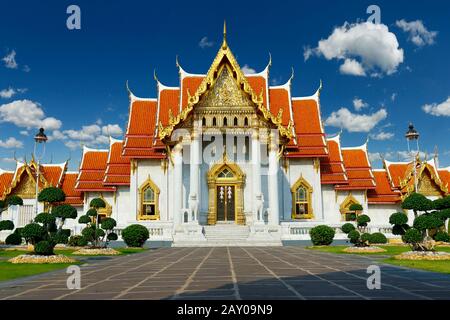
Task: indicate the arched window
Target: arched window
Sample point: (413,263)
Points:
(246,122)
(302,200)
(225,122)
(214,122)
(235,122)
(346,213)
(204,121)
(149,204)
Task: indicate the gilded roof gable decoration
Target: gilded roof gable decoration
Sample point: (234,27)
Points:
(225,58)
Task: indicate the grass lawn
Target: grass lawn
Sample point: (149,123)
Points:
(390,250)
(9,271)
(436,266)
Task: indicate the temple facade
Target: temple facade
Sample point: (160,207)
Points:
(226,158)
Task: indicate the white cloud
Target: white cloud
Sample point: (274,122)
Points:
(345,119)
(352,67)
(10,92)
(381,136)
(10,60)
(358,104)
(441,109)
(92,135)
(27,114)
(205,43)
(24,132)
(363,47)
(418,33)
(246,69)
(112,129)
(11,143)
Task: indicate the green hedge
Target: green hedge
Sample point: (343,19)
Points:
(322,235)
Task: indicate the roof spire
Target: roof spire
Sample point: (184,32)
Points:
(224,44)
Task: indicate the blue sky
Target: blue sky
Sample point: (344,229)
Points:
(73,81)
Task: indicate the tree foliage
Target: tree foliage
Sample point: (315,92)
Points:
(52,195)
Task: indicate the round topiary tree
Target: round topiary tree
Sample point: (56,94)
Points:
(377,238)
(414,238)
(4,205)
(13,239)
(354,236)
(322,235)
(400,222)
(356,207)
(362,221)
(95,234)
(417,203)
(33,233)
(135,235)
(347,227)
(51,196)
(426,222)
(6,225)
(442,236)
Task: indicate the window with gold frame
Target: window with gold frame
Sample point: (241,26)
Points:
(302,200)
(149,201)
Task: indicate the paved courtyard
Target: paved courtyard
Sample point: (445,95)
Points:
(232,273)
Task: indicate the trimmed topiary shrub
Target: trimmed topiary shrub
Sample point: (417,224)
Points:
(356,207)
(33,233)
(347,227)
(398,218)
(13,239)
(425,222)
(14,201)
(77,241)
(365,238)
(51,195)
(97,203)
(84,219)
(44,248)
(362,220)
(417,202)
(112,236)
(91,213)
(354,236)
(320,235)
(378,238)
(45,218)
(135,235)
(6,225)
(60,238)
(442,236)
(65,211)
(412,236)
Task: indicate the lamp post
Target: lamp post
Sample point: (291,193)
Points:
(39,138)
(412,135)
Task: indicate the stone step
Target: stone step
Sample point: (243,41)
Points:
(209,243)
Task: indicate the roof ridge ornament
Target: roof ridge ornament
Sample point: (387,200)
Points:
(224,43)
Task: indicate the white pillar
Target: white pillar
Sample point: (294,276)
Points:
(194,164)
(256,166)
(178,184)
(274,217)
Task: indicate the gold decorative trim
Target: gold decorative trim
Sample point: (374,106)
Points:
(148,183)
(238,181)
(345,205)
(301,182)
(208,82)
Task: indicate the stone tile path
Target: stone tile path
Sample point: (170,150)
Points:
(232,273)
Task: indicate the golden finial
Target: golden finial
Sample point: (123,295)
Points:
(224,44)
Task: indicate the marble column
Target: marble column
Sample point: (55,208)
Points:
(274,217)
(194,196)
(256,173)
(178,183)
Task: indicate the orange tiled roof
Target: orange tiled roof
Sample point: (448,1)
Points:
(191,84)
(383,194)
(359,172)
(444,175)
(258,84)
(279,99)
(117,167)
(140,133)
(92,171)
(332,168)
(308,129)
(74,197)
(397,172)
(53,174)
(6,178)
(169,99)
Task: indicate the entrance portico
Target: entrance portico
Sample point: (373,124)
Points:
(225,191)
